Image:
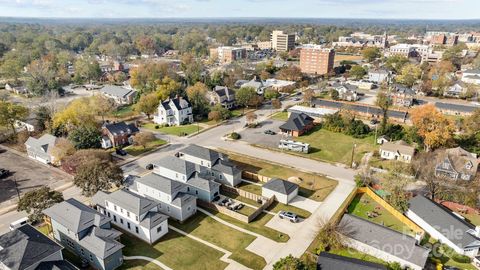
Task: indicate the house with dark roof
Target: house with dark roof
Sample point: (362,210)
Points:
(457,164)
(329,261)
(402,95)
(120,94)
(346,91)
(222,95)
(256,83)
(41,149)
(457,89)
(442,224)
(135,214)
(383,243)
(118,134)
(174,112)
(455,109)
(284,191)
(397,150)
(297,124)
(86,233)
(25,248)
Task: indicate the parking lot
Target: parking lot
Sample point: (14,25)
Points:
(27,173)
(257,135)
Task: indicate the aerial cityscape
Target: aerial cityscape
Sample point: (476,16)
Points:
(239,135)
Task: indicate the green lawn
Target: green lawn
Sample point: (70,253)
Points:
(352,253)
(208,229)
(43,229)
(313,186)
(280,116)
(377,162)
(277,207)
(472,218)
(139,265)
(252,188)
(135,150)
(442,254)
(335,147)
(174,130)
(362,203)
(174,250)
(124,111)
(257,226)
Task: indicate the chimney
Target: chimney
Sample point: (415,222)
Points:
(477,231)
(418,237)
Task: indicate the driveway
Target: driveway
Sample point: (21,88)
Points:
(305,204)
(258,137)
(28,175)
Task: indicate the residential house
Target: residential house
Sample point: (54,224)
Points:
(457,89)
(471,76)
(279,85)
(30,124)
(214,163)
(284,191)
(346,91)
(297,124)
(329,261)
(445,226)
(41,149)
(120,94)
(171,196)
(255,83)
(401,95)
(17,89)
(317,113)
(457,164)
(222,95)
(383,139)
(384,243)
(398,150)
(133,213)
(26,248)
(118,134)
(86,233)
(379,76)
(174,112)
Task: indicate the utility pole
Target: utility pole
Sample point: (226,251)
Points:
(376,129)
(353,153)
(16,188)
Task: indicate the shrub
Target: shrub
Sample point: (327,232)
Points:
(235,136)
(461,258)
(157,126)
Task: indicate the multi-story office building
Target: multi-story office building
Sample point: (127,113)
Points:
(282,42)
(316,60)
(227,55)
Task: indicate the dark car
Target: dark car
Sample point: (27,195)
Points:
(121,152)
(149,167)
(269,132)
(4,173)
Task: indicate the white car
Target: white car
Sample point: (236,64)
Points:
(19,223)
(288,215)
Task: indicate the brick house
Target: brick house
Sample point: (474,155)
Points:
(118,134)
(297,124)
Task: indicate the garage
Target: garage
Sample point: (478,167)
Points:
(284,191)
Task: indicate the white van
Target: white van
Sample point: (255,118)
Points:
(19,223)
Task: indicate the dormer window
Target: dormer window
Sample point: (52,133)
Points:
(469,165)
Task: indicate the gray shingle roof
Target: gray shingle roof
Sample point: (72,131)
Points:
(161,183)
(455,107)
(25,247)
(75,216)
(386,239)
(125,199)
(203,182)
(121,127)
(101,242)
(152,219)
(297,121)
(444,221)
(201,152)
(117,91)
(56,265)
(43,145)
(280,186)
(183,199)
(328,261)
(226,167)
(177,165)
(398,146)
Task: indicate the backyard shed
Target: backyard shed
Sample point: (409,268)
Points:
(284,191)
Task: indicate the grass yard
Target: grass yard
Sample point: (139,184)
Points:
(277,207)
(362,203)
(136,150)
(342,57)
(352,253)
(257,226)
(139,265)
(472,218)
(335,147)
(313,186)
(174,130)
(43,229)
(176,251)
(252,188)
(280,116)
(208,229)
(124,111)
(377,162)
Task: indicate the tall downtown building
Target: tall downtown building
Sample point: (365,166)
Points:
(315,59)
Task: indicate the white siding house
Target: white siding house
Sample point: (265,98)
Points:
(174,112)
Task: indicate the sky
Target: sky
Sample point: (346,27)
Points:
(379,9)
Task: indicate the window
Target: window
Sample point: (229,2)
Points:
(121,210)
(188,189)
(114,218)
(159,229)
(106,204)
(108,214)
(128,225)
(128,214)
(196,192)
(220,176)
(136,229)
(168,208)
(136,217)
(115,207)
(121,220)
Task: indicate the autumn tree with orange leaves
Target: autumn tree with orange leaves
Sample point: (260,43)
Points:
(435,129)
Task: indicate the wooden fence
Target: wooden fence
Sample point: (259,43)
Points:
(224,210)
(264,206)
(242,193)
(255,177)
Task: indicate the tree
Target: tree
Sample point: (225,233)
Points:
(77,113)
(357,72)
(35,201)
(435,129)
(384,102)
(290,263)
(308,96)
(147,104)
(146,77)
(424,167)
(224,112)
(256,101)
(71,163)
(331,235)
(43,117)
(371,54)
(11,113)
(472,123)
(214,116)
(143,139)
(197,95)
(62,149)
(290,73)
(86,69)
(271,94)
(454,55)
(396,63)
(85,137)
(97,175)
(244,95)
(102,105)
(394,183)
(334,94)
(42,76)
(11,69)
(192,67)
(276,104)
(409,75)
(251,117)
(168,88)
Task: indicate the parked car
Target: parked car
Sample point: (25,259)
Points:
(288,215)
(297,99)
(269,132)
(121,152)
(18,223)
(4,173)
(149,167)
(374,121)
